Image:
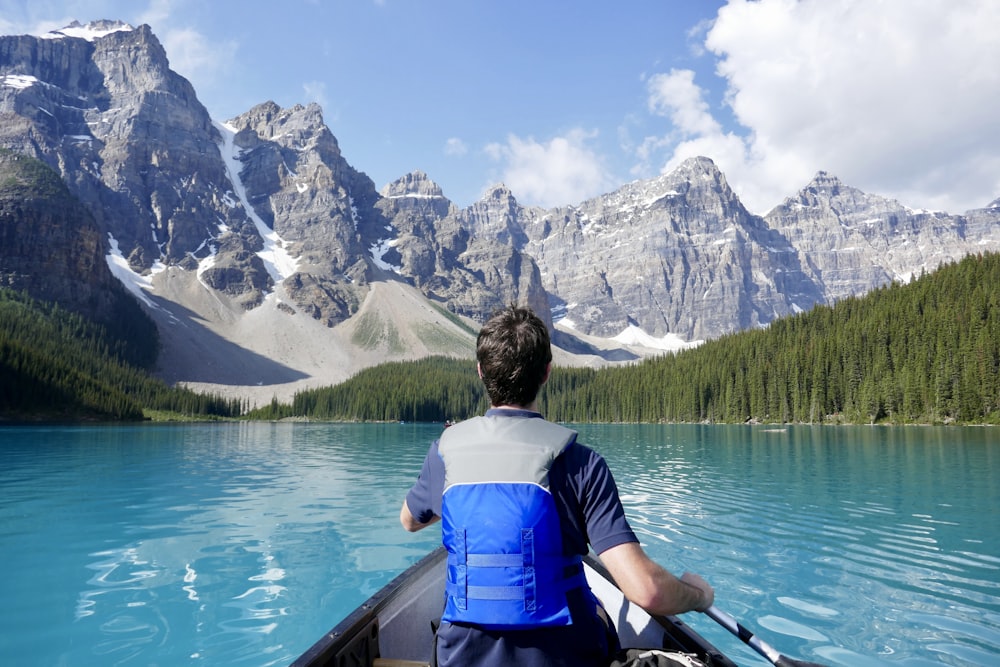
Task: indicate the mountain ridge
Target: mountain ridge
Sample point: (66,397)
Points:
(234,232)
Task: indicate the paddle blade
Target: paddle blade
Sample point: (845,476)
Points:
(754,642)
(785,661)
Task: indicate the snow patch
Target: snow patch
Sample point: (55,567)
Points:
(354,212)
(209,261)
(378,251)
(87,32)
(414,195)
(133,282)
(633,335)
(19,81)
(649,202)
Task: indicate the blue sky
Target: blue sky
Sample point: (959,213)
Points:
(563,100)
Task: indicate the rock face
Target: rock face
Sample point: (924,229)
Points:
(263,211)
(50,248)
(470,259)
(677,254)
(127,134)
(851,242)
(319,210)
(261,200)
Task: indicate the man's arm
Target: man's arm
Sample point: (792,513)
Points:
(410,522)
(653,588)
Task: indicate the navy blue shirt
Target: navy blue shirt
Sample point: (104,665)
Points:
(590,513)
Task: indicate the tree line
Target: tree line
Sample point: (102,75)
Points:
(58,365)
(923,352)
(428,390)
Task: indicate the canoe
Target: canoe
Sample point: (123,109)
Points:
(393,628)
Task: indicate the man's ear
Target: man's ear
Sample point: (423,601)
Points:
(479,370)
(548,370)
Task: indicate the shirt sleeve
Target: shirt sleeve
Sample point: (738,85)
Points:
(599,517)
(424,497)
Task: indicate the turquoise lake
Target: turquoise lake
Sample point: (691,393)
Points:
(241,544)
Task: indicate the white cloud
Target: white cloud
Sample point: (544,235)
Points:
(315,91)
(894,97)
(196,56)
(695,131)
(564,170)
(676,95)
(455,146)
(158,12)
(202,60)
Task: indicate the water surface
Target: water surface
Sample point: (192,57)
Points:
(241,544)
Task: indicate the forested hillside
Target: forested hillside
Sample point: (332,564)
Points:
(924,352)
(431,389)
(58,365)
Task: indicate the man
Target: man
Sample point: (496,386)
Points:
(520,500)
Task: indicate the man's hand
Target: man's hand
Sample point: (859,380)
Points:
(653,588)
(692,579)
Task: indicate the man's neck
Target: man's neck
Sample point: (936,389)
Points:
(531,407)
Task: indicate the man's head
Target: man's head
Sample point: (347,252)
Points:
(514,353)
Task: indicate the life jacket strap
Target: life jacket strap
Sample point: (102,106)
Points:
(461,560)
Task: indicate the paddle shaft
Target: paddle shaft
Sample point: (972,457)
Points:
(748,638)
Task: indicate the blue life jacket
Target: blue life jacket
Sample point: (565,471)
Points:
(506,567)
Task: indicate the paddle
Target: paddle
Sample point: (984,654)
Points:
(748,638)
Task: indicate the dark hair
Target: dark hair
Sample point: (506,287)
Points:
(513,351)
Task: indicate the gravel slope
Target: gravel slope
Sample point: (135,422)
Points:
(273,351)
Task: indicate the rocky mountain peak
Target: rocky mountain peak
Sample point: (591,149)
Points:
(695,198)
(413,184)
(297,127)
(827,192)
(322,210)
(499,193)
(497,216)
(847,237)
(824,186)
(698,166)
(94,108)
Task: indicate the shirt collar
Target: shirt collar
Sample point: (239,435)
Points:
(512,412)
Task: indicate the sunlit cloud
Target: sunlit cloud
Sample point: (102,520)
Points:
(193,55)
(564,170)
(315,91)
(893,100)
(455,147)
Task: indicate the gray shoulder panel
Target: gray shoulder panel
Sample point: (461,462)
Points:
(502,449)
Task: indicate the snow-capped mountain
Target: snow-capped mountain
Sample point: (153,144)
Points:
(255,235)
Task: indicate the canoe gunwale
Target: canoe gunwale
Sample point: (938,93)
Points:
(677,635)
(361,626)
